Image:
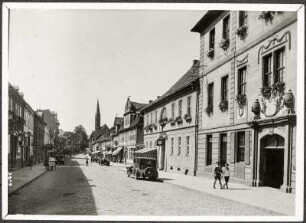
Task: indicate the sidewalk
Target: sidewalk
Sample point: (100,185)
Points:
(263,197)
(23,176)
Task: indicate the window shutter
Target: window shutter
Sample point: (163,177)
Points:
(247,148)
(233,144)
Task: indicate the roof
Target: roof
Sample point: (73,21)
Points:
(118,120)
(187,79)
(96,134)
(137,105)
(206,20)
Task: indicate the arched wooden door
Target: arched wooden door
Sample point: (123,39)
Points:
(272,161)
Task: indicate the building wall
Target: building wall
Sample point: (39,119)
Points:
(262,38)
(174,162)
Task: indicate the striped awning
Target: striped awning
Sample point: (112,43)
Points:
(109,153)
(117,150)
(146,153)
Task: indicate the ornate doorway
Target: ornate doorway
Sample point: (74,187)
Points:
(272,161)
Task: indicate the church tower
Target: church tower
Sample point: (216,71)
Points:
(98,117)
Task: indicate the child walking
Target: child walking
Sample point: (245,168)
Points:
(226,174)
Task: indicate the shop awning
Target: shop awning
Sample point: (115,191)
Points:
(117,150)
(109,153)
(146,153)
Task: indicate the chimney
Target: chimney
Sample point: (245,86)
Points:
(194,62)
(150,101)
(158,97)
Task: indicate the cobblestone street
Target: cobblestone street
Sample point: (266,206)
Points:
(77,189)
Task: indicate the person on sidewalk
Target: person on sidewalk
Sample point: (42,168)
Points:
(226,174)
(86,160)
(218,172)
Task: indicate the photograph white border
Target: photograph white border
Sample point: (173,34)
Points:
(159,6)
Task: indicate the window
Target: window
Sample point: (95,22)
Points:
(150,143)
(209,150)
(279,65)
(243,18)
(223,148)
(241,146)
(179,145)
(172,145)
(212,39)
(241,81)
(147,118)
(187,145)
(224,90)
(210,94)
(274,68)
(172,110)
(11,104)
(267,70)
(226,30)
(155,116)
(147,143)
(189,105)
(151,118)
(180,108)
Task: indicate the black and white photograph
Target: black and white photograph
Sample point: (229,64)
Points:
(152,112)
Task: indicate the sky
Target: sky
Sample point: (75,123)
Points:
(66,60)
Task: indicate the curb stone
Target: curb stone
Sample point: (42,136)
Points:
(26,183)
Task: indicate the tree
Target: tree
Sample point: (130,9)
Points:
(81,137)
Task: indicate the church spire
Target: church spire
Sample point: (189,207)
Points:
(98,117)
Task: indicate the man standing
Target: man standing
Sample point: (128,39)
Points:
(218,172)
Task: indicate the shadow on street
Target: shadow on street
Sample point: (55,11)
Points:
(65,191)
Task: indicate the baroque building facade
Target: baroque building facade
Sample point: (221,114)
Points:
(248,74)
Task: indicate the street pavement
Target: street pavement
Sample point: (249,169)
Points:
(77,189)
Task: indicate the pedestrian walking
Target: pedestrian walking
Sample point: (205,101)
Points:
(226,174)
(86,160)
(218,173)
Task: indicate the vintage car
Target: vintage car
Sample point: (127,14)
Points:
(60,159)
(144,168)
(103,161)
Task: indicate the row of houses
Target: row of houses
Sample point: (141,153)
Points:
(234,105)
(123,138)
(31,133)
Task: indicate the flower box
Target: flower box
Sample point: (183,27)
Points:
(242,31)
(267,16)
(163,121)
(171,121)
(210,53)
(223,105)
(187,117)
(241,100)
(273,91)
(209,109)
(179,119)
(224,44)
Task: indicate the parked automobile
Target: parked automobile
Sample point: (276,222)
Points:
(60,159)
(104,161)
(144,168)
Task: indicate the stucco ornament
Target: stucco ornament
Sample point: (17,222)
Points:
(271,102)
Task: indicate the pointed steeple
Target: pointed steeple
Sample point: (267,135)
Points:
(98,117)
(98,108)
